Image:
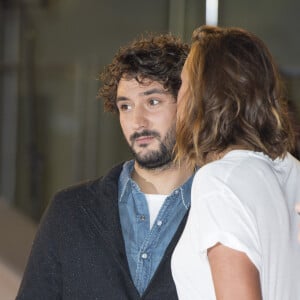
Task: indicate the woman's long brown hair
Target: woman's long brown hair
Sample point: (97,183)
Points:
(234,98)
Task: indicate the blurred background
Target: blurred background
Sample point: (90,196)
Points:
(53,131)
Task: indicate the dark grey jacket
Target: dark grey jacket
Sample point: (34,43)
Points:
(79,252)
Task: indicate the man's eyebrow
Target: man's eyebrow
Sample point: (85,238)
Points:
(155,91)
(121,98)
(145,93)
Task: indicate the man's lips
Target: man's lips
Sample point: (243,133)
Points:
(144,139)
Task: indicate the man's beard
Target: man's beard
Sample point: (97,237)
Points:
(155,159)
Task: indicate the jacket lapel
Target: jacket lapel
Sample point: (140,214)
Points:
(103,212)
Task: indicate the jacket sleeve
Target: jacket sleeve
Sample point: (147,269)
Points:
(42,278)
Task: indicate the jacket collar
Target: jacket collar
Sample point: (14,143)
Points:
(102,210)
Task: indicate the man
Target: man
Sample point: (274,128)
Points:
(113,238)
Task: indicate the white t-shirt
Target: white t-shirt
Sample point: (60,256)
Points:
(246,202)
(155,202)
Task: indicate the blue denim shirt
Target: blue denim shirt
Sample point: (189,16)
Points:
(144,246)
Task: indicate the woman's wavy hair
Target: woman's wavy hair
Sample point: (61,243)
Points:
(234,98)
(156,57)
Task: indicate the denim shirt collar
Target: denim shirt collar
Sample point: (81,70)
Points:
(125,180)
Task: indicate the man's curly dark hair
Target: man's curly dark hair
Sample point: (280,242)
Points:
(156,57)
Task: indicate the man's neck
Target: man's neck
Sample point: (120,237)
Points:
(161,181)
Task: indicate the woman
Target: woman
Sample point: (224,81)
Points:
(240,241)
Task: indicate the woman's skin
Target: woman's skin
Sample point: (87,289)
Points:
(230,266)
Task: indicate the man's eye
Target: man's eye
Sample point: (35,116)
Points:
(124,107)
(153,102)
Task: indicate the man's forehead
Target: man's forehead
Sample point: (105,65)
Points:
(130,88)
(142,80)
(145,83)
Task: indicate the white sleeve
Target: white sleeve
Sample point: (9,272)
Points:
(219,216)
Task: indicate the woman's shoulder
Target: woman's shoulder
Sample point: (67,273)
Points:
(236,166)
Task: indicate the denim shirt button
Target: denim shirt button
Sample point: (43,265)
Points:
(176,192)
(142,217)
(159,223)
(144,256)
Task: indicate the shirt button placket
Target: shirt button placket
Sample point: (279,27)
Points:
(159,223)
(144,255)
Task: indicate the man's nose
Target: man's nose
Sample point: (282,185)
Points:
(140,119)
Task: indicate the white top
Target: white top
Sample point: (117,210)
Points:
(246,202)
(155,202)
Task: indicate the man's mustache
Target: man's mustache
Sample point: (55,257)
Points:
(137,135)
